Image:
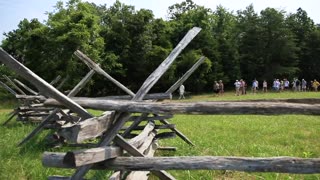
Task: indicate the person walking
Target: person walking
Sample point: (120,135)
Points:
(181,91)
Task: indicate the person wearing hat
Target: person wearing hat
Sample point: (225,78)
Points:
(237,85)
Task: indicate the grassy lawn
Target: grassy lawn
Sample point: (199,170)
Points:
(214,135)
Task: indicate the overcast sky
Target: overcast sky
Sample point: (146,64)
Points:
(13,11)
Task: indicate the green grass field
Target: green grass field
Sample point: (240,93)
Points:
(214,135)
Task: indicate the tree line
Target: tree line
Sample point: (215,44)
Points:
(129,44)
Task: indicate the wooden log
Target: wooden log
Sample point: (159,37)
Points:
(119,140)
(124,97)
(134,124)
(140,139)
(153,118)
(55,80)
(88,156)
(166,135)
(165,126)
(176,85)
(115,176)
(277,164)
(40,84)
(152,96)
(31,98)
(36,109)
(81,84)
(167,148)
(155,76)
(99,70)
(301,101)
(62,82)
(8,88)
(293,165)
(25,87)
(13,84)
(267,108)
(9,119)
(148,149)
(88,129)
(34,114)
(178,133)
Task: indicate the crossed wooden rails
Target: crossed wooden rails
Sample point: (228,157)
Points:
(109,153)
(30,102)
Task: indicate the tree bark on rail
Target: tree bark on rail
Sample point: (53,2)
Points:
(269,164)
(264,108)
(98,69)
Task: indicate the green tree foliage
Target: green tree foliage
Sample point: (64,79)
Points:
(267,47)
(129,44)
(303,28)
(280,51)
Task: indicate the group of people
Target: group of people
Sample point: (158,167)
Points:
(218,87)
(241,86)
(277,85)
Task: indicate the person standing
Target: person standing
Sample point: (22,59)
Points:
(298,85)
(221,87)
(265,86)
(281,86)
(181,91)
(274,85)
(304,85)
(254,86)
(241,86)
(216,87)
(294,84)
(286,84)
(315,85)
(237,86)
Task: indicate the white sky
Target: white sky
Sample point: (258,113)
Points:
(13,11)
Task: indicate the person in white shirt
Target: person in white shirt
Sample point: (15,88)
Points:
(254,86)
(237,85)
(181,91)
(286,84)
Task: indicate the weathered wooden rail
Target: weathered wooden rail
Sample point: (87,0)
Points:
(216,107)
(130,154)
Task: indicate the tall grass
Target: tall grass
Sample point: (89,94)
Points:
(213,135)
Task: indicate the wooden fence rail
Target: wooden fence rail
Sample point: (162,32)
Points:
(215,107)
(249,164)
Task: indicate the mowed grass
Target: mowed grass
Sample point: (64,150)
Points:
(213,135)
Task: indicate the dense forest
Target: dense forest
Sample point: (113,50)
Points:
(129,44)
